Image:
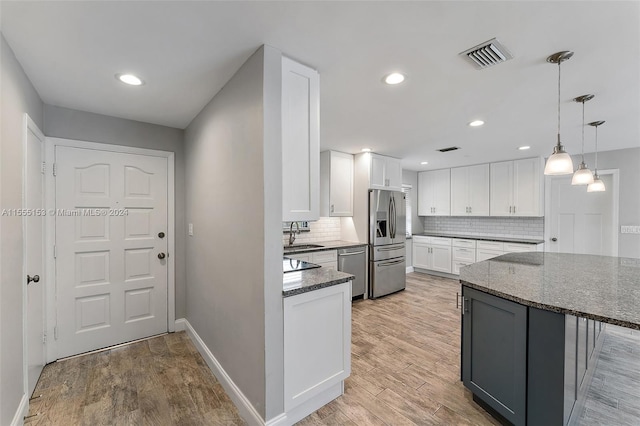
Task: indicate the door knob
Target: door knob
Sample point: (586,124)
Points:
(161,235)
(35,279)
(161,256)
(554,239)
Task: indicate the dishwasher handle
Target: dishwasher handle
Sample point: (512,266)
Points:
(350,253)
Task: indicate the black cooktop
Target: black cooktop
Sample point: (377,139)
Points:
(291,265)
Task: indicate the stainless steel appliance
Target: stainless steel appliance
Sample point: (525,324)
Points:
(387,238)
(354,261)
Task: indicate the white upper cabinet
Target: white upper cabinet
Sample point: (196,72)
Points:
(434,193)
(470,190)
(517,188)
(336,184)
(300,142)
(385,173)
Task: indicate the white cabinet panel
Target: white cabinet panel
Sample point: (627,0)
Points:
(385,172)
(432,256)
(441,258)
(421,255)
(336,184)
(470,190)
(300,142)
(326,259)
(484,254)
(317,342)
(434,193)
(517,188)
(464,254)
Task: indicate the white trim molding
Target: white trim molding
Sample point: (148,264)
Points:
(245,408)
(409,269)
(21,412)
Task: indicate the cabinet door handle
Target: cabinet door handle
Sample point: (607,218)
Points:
(332,208)
(514,209)
(465,305)
(510,207)
(457,300)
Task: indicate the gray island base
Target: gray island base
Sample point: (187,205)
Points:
(532,330)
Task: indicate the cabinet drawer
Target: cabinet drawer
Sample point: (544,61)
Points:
(421,239)
(457,265)
(518,247)
(484,254)
(303,256)
(464,254)
(324,256)
(464,243)
(439,241)
(490,245)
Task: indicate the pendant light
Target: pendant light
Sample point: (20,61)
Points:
(598,184)
(559,163)
(583,175)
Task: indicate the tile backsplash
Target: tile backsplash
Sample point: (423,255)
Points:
(324,229)
(496,226)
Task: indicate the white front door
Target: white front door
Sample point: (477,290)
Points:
(34,248)
(580,221)
(111,248)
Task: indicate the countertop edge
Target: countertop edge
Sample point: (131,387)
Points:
(301,290)
(481,238)
(551,308)
(330,246)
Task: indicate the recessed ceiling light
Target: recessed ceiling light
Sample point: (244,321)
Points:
(394,78)
(366,149)
(476,123)
(424,162)
(130,79)
(523,148)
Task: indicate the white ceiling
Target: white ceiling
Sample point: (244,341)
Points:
(186,51)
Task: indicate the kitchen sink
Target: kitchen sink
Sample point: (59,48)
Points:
(301,246)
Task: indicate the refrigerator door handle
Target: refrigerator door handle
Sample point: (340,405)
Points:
(393,217)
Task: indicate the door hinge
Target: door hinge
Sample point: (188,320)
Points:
(43,168)
(44,337)
(55,169)
(55,332)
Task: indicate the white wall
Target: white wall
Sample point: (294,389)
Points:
(628,162)
(85,126)
(17,97)
(234,200)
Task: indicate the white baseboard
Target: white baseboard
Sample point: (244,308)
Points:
(409,269)
(246,410)
(23,409)
(180,324)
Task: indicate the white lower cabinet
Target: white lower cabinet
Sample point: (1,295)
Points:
(317,348)
(326,259)
(432,253)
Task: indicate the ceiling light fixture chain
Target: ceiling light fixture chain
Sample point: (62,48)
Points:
(598,184)
(582,175)
(559,163)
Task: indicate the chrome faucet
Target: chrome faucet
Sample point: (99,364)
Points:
(292,234)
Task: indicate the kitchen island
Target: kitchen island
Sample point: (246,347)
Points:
(317,339)
(531,329)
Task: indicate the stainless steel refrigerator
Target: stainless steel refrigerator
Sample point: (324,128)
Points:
(387,238)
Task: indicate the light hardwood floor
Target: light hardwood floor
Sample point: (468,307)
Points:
(405,364)
(160,381)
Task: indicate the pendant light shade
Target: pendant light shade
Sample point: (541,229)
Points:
(598,184)
(583,175)
(559,163)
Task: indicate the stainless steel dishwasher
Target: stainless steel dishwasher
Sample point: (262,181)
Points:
(354,261)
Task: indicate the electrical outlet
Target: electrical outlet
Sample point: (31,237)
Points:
(630,229)
(191,229)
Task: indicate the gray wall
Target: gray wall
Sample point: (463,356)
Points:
(17,97)
(409,177)
(628,162)
(85,126)
(234,200)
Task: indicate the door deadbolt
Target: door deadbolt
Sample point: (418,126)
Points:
(35,279)
(554,239)
(161,256)
(161,235)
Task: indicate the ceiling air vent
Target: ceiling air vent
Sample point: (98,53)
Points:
(487,54)
(451,148)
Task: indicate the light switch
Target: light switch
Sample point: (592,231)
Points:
(191,229)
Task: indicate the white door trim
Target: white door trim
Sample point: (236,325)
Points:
(28,126)
(50,146)
(615,175)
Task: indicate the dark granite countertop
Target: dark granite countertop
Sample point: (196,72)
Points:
(602,288)
(482,238)
(312,279)
(326,245)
